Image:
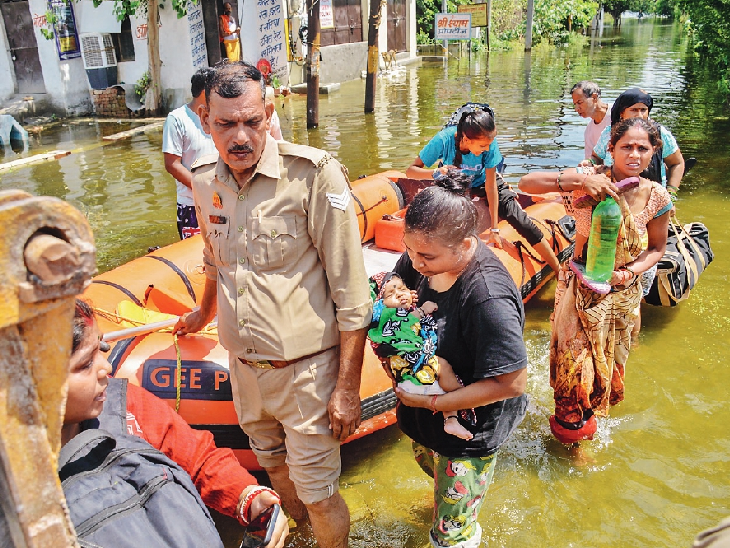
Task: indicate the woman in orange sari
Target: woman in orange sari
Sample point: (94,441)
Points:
(591,332)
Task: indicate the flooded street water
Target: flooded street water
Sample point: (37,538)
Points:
(662,459)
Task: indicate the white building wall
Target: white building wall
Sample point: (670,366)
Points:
(128,72)
(7,75)
(66,84)
(175,57)
(263,34)
(411,29)
(68,88)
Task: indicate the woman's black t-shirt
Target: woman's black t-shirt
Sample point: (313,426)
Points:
(480,321)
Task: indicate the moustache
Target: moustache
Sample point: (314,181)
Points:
(235,149)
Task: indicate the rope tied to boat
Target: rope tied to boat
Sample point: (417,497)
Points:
(522,248)
(178,373)
(119,319)
(363,211)
(555,245)
(549,225)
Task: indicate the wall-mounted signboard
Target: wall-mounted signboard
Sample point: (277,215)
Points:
(326,16)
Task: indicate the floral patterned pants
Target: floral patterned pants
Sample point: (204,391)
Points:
(460,485)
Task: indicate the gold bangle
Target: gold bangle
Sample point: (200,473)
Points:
(560,174)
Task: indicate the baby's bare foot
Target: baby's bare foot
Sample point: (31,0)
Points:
(453,426)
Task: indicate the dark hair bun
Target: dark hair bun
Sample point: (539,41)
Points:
(455,181)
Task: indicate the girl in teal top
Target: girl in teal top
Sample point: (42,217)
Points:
(471,146)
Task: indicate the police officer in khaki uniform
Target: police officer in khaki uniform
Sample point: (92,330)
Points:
(285,271)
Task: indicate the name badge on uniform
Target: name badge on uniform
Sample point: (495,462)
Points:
(217,203)
(218,219)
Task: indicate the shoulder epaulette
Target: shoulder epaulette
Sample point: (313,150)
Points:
(315,155)
(204,161)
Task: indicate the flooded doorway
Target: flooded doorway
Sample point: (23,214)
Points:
(397,25)
(348,24)
(211,10)
(23,47)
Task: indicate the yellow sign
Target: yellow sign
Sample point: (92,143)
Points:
(478,13)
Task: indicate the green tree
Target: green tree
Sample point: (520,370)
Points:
(667,8)
(555,18)
(552,21)
(127,8)
(709,23)
(617,7)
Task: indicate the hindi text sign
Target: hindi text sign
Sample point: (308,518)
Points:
(326,15)
(196,31)
(271,38)
(478,14)
(452,26)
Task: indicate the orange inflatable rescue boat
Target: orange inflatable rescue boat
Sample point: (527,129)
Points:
(192,372)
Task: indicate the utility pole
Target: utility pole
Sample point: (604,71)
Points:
(528,34)
(313,37)
(373,55)
(489,20)
(445,9)
(153,99)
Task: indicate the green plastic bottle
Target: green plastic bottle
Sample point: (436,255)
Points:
(601,256)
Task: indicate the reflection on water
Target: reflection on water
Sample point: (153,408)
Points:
(663,457)
(122,187)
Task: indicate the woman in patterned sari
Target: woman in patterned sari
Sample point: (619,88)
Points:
(591,332)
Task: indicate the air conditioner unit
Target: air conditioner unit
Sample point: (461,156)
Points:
(100,59)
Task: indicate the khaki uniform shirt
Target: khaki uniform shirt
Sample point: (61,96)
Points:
(285,250)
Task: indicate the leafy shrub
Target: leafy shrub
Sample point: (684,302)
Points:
(142,85)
